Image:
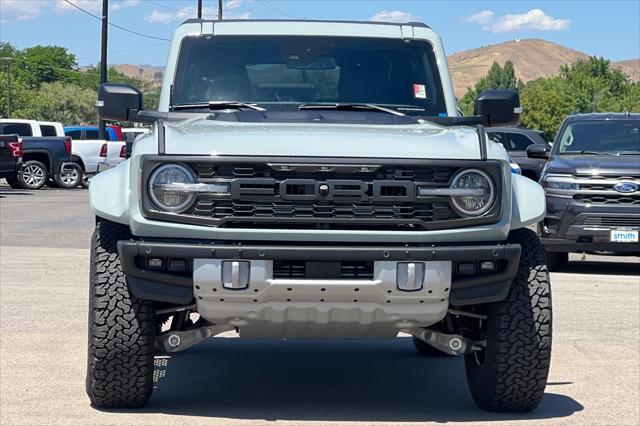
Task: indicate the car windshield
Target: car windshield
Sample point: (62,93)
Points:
(284,72)
(601,137)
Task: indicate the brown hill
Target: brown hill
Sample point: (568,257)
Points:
(532,58)
(146,72)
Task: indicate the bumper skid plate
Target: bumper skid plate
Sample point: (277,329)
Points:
(409,287)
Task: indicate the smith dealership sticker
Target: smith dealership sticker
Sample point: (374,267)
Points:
(419,91)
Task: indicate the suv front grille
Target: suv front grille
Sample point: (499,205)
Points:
(613,198)
(371,194)
(612,221)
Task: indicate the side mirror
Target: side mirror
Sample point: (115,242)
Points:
(118,102)
(501,107)
(538,150)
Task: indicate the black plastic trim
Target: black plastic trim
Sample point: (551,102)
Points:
(482,136)
(481,288)
(149,162)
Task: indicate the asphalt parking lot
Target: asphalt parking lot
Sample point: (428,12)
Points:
(44,254)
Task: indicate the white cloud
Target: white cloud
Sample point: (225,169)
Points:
(124,4)
(233,4)
(191,12)
(392,16)
(20,10)
(483,18)
(535,19)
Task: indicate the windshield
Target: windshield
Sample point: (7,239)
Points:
(606,137)
(284,72)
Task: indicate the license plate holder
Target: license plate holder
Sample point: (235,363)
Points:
(624,236)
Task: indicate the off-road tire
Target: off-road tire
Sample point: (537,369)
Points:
(426,349)
(556,260)
(33,175)
(121,328)
(510,374)
(69,181)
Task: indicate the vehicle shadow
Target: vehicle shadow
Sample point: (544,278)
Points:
(601,268)
(324,381)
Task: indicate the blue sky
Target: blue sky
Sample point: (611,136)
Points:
(605,28)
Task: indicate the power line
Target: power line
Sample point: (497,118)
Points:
(115,25)
(162,6)
(280,11)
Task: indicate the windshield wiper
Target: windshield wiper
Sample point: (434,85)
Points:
(218,105)
(584,152)
(351,107)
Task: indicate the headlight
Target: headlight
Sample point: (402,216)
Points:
(560,183)
(166,187)
(479,203)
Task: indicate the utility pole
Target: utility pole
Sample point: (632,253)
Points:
(199,9)
(219,10)
(103,59)
(8,86)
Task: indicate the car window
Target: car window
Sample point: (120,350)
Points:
(518,142)
(285,72)
(47,130)
(130,136)
(93,134)
(613,137)
(75,134)
(497,137)
(20,129)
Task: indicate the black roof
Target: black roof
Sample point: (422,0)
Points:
(604,116)
(413,24)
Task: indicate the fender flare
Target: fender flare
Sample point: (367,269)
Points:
(529,202)
(109,194)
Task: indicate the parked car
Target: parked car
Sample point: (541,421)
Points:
(10,156)
(43,157)
(116,148)
(592,185)
(296,184)
(516,140)
(130,134)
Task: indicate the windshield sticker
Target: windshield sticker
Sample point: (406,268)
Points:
(419,91)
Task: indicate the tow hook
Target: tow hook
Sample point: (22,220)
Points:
(452,344)
(176,341)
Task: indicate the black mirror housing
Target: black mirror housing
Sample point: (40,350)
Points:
(501,107)
(118,102)
(538,150)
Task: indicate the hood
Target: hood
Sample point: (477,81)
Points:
(424,140)
(601,165)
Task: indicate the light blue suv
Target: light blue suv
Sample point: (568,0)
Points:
(313,180)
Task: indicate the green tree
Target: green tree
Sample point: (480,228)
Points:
(497,78)
(67,103)
(590,85)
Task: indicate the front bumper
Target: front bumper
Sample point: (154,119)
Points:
(102,166)
(272,306)
(575,226)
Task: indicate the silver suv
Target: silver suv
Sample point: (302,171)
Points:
(314,180)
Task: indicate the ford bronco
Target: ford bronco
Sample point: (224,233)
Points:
(315,180)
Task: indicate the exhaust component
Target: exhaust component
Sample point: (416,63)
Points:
(176,341)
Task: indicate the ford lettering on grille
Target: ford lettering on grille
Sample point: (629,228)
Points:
(330,190)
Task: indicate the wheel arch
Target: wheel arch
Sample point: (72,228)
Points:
(109,194)
(78,158)
(37,155)
(529,203)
